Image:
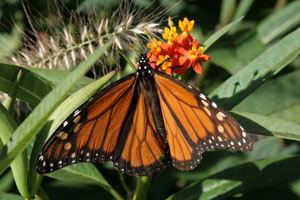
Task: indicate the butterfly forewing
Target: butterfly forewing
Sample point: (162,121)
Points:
(91,132)
(195,124)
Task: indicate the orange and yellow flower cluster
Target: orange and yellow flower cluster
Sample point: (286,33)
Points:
(180,52)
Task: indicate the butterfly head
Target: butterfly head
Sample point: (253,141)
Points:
(144,67)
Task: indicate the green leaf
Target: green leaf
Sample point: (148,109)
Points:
(279,23)
(227,9)
(227,59)
(128,61)
(6,181)
(249,49)
(83,173)
(10,196)
(263,125)
(32,88)
(19,166)
(11,96)
(295,187)
(56,76)
(9,43)
(37,119)
(233,59)
(267,147)
(266,65)
(239,179)
(241,10)
(290,113)
(219,34)
(36,83)
(7,124)
(280,95)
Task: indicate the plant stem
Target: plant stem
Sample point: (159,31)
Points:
(142,188)
(122,179)
(113,192)
(41,195)
(199,79)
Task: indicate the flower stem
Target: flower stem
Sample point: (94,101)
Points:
(122,179)
(142,187)
(41,195)
(115,194)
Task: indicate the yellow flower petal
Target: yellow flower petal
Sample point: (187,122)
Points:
(155,45)
(196,52)
(170,35)
(186,25)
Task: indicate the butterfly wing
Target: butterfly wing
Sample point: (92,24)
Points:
(115,125)
(144,146)
(195,124)
(92,132)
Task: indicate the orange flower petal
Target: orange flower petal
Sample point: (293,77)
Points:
(185,62)
(179,70)
(182,51)
(197,67)
(169,71)
(205,58)
(195,42)
(167,48)
(183,40)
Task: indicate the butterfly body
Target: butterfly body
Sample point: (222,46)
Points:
(137,120)
(148,88)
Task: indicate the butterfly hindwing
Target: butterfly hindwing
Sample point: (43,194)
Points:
(91,132)
(195,124)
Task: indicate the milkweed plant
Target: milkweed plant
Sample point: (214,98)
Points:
(245,56)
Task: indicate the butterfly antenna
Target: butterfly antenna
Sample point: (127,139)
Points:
(165,60)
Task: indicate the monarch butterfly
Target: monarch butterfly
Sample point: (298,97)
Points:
(138,119)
